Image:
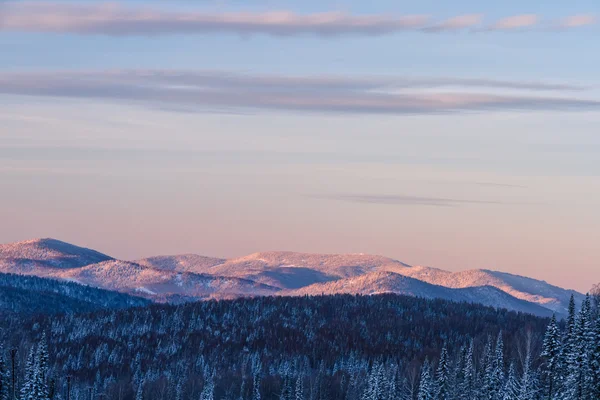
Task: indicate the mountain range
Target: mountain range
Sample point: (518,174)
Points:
(190,277)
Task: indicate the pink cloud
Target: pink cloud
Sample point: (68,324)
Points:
(575,21)
(516,22)
(115,19)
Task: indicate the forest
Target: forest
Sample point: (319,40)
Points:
(344,347)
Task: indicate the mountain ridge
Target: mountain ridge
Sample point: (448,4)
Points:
(187,277)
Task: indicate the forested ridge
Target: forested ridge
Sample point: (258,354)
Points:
(346,347)
(26,295)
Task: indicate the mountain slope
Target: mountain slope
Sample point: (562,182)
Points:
(31,295)
(181,263)
(289,270)
(162,285)
(528,289)
(34,256)
(389,282)
(189,276)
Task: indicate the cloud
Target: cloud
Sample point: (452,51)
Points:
(576,21)
(203,90)
(117,20)
(112,19)
(457,23)
(407,200)
(516,22)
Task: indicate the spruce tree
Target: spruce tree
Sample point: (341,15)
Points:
(299,390)
(443,377)
(29,377)
(578,384)
(256,387)
(510,389)
(498,371)
(468,387)
(426,385)
(595,360)
(139,395)
(208,391)
(551,355)
(4,377)
(528,384)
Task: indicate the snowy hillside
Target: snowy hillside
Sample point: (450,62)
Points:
(162,285)
(192,277)
(181,263)
(389,282)
(39,254)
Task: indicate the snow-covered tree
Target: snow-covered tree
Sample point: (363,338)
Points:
(468,385)
(510,389)
(208,391)
(442,377)
(551,353)
(4,377)
(299,389)
(528,384)
(256,387)
(426,383)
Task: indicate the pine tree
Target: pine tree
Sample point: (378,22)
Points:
(468,387)
(256,387)
(4,377)
(528,385)
(578,384)
(442,377)
(595,360)
(486,372)
(426,385)
(208,391)
(28,381)
(498,371)
(551,355)
(510,388)
(299,390)
(139,395)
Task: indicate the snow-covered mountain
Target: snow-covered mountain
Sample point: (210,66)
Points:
(35,256)
(162,285)
(188,277)
(23,294)
(181,263)
(390,282)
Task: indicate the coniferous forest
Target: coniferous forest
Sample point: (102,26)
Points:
(311,348)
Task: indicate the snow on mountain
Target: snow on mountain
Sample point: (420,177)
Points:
(33,257)
(189,276)
(33,295)
(523,288)
(162,285)
(289,270)
(181,263)
(390,282)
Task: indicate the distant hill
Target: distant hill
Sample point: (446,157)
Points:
(33,295)
(181,263)
(178,278)
(390,282)
(34,256)
(163,285)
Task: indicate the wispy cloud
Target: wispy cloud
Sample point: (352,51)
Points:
(457,23)
(516,22)
(212,89)
(576,21)
(117,20)
(406,200)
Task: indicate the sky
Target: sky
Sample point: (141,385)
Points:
(457,135)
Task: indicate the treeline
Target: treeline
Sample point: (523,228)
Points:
(305,348)
(28,295)
(310,348)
